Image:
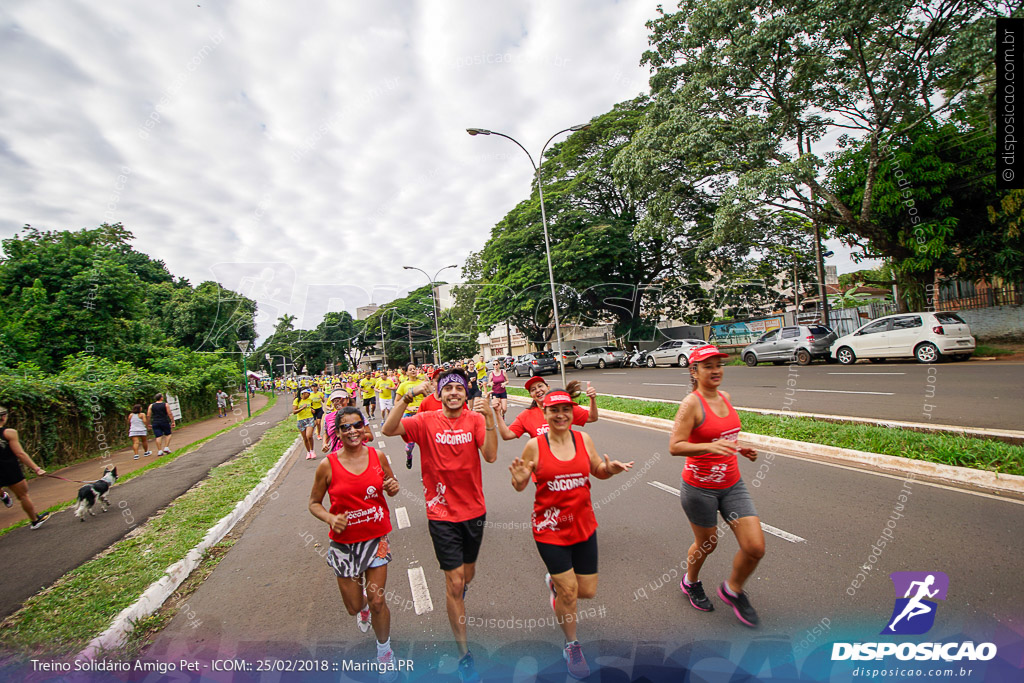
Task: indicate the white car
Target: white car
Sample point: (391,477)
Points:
(674,352)
(928,337)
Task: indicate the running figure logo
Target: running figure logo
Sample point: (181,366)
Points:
(439,499)
(914,613)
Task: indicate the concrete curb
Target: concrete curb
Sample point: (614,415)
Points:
(161,589)
(983,480)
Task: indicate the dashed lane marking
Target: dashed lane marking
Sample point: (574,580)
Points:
(402,515)
(420,593)
(768,528)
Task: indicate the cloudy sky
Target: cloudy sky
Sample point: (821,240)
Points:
(299,152)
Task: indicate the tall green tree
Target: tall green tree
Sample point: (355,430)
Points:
(744,91)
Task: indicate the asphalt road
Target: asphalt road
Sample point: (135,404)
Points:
(35,558)
(273,594)
(972,394)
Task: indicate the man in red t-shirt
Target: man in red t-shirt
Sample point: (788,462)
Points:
(531,421)
(451,441)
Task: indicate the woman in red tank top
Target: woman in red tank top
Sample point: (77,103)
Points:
(564,527)
(356,477)
(706,432)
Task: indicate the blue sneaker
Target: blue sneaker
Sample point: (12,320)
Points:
(467,669)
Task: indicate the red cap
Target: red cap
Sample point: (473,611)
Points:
(533,380)
(555,397)
(706,352)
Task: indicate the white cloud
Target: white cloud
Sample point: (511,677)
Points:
(329,137)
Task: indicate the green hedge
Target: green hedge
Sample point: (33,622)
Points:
(65,417)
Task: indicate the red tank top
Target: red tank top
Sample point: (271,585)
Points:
(562,511)
(710,471)
(362,496)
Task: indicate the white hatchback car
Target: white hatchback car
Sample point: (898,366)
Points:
(924,336)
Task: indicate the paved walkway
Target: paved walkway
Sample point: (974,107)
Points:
(47,491)
(33,559)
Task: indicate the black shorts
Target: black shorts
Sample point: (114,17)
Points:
(161,429)
(580,557)
(500,394)
(10,472)
(368,401)
(456,543)
(318,413)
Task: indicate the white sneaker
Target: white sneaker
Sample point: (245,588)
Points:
(363,620)
(135,457)
(148,453)
(388,669)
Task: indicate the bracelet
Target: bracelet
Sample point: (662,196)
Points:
(490,429)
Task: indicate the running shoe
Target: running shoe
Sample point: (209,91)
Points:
(695,591)
(135,457)
(408,456)
(148,453)
(551,588)
(39,520)
(465,587)
(467,669)
(6,498)
(363,619)
(741,606)
(387,667)
(575,662)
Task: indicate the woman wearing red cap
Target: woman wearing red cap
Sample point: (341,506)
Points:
(531,421)
(564,527)
(706,432)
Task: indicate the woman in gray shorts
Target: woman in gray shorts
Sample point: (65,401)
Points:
(706,432)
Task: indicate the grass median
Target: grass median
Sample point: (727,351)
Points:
(981,454)
(62,619)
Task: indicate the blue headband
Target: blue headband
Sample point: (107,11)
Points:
(448,379)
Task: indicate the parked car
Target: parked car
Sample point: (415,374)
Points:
(602,357)
(567,358)
(674,352)
(536,363)
(928,337)
(800,343)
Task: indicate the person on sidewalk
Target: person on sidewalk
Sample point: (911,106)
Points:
(160,416)
(12,455)
(222,403)
(451,442)
(138,428)
(706,433)
(561,462)
(356,477)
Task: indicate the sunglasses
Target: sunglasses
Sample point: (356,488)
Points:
(352,425)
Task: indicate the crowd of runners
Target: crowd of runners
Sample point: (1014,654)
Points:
(455,414)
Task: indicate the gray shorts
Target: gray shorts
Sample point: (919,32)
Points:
(703,505)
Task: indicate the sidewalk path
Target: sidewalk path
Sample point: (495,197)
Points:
(47,491)
(36,558)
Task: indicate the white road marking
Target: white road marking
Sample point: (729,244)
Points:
(381,443)
(785,535)
(614,373)
(867,373)
(655,384)
(402,515)
(775,531)
(420,592)
(837,391)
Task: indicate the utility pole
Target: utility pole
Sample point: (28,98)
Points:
(412,358)
(508,331)
(796,294)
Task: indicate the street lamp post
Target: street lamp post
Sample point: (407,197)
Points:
(270,362)
(243,346)
(433,304)
(544,220)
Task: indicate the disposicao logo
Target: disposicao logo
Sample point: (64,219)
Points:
(914,614)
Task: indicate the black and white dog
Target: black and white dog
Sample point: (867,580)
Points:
(88,494)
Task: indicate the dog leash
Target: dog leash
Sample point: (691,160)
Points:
(75,481)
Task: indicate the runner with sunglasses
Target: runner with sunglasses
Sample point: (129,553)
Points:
(356,477)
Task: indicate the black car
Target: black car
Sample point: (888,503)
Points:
(536,364)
